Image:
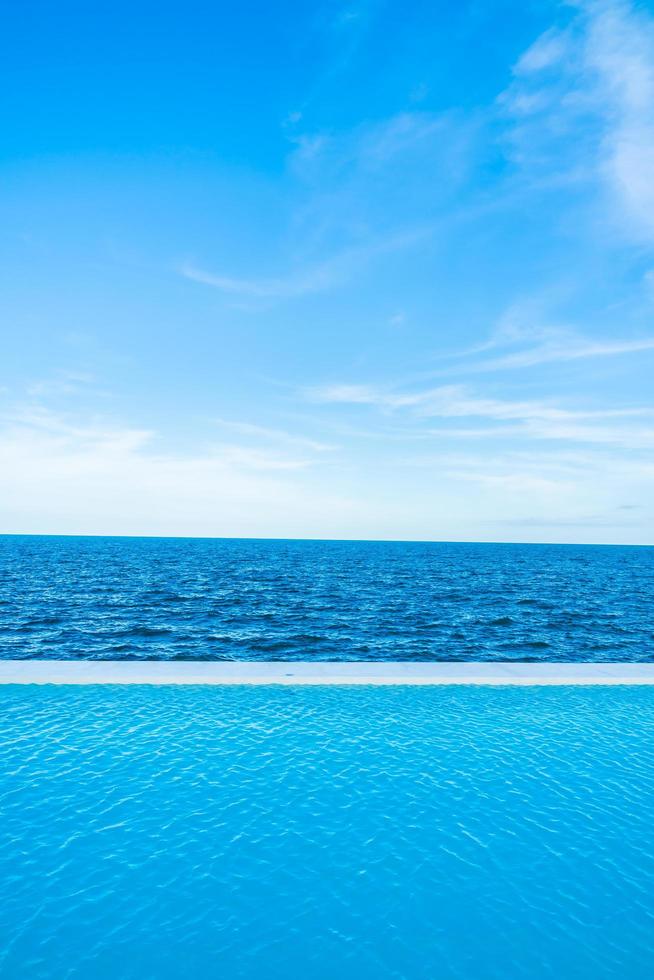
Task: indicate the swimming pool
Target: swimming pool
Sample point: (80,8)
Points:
(463,832)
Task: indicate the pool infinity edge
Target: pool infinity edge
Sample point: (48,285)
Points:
(319,672)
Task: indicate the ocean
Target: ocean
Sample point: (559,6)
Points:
(232,599)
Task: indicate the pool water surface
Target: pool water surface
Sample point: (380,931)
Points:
(461,832)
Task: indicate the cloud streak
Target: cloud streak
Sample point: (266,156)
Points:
(113,479)
(582,102)
(275,435)
(334,271)
(299,284)
(521,419)
(570,348)
(110,479)
(457,401)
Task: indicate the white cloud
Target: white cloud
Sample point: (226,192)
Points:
(334,271)
(62,476)
(68,476)
(567,348)
(63,383)
(352,203)
(524,337)
(275,435)
(347,394)
(549,49)
(518,419)
(398,319)
(452,401)
(456,401)
(305,281)
(367,148)
(583,102)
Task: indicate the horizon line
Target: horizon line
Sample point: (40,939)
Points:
(334,540)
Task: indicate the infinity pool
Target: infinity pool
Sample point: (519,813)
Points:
(329,832)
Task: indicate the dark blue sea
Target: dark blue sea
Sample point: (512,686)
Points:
(231,599)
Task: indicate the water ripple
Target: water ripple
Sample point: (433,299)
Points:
(354,832)
(175,599)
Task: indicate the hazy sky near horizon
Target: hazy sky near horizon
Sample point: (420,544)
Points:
(365,270)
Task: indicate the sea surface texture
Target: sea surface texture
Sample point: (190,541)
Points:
(466,833)
(163,598)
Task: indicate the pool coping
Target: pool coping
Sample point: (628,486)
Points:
(306,672)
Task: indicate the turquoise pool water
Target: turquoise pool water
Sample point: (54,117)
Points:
(460,832)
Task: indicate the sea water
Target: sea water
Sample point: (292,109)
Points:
(236,599)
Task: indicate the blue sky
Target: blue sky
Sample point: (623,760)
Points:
(367,270)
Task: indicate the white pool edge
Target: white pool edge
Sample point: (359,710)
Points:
(319,673)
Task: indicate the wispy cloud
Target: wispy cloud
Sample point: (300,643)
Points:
(549,50)
(33,422)
(247,457)
(525,336)
(526,419)
(334,271)
(349,394)
(305,281)
(457,401)
(350,205)
(583,105)
(62,383)
(371,148)
(566,348)
(275,435)
(107,478)
(64,430)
